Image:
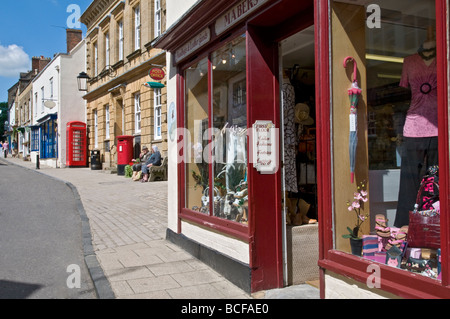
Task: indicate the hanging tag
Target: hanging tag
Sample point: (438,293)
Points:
(353,123)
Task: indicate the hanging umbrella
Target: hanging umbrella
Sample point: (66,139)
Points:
(354,93)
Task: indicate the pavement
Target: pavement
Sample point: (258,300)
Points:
(124,231)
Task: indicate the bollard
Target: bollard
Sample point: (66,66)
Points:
(37,161)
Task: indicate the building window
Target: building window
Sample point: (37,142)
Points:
(95,59)
(121,42)
(137,28)
(226,108)
(35,103)
(107,49)
(157,114)
(137,113)
(157,18)
(395,124)
(107,120)
(42,99)
(95,129)
(29,109)
(51,88)
(34,140)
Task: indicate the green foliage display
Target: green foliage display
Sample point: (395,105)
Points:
(128,171)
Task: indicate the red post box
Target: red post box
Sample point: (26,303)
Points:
(124,153)
(76,144)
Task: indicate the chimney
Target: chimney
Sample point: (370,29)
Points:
(35,64)
(74,36)
(39,63)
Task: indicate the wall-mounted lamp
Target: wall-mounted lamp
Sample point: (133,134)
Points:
(82,79)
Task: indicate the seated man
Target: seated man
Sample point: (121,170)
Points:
(155,159)
(143,157)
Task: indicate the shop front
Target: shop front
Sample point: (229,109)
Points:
(295,128)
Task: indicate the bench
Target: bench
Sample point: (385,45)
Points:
(158,172)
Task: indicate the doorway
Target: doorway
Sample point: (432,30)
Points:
(299,173)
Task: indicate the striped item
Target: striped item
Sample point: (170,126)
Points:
(370,245)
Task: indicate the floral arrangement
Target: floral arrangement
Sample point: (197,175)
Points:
(359,198)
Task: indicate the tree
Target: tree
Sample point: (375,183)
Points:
(3,118)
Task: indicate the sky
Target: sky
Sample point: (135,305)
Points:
(33,28)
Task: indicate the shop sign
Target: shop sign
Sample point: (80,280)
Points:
(193,44)
(264,147)
(237,13)
(157,74)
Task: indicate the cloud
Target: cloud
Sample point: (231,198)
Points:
(13,60)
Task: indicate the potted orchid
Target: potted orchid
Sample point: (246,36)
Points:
(359,198)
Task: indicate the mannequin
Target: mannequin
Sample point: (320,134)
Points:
(420,131)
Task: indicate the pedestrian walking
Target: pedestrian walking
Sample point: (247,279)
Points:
(6,148)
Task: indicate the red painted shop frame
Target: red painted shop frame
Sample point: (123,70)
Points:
(393,280)
(265,250)
(263,233)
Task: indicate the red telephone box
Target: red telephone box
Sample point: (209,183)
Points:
(124,152)
(76,144)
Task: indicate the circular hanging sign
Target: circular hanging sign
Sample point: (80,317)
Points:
(50,104)
(157,74)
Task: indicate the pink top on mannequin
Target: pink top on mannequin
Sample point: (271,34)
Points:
(420,74)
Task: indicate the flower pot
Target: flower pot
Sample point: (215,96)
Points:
(356,245)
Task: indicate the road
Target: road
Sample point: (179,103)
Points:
(41,252)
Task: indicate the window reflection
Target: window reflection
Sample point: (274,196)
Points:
(196,121)
(230,128)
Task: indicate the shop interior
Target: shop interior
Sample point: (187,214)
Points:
(299,186)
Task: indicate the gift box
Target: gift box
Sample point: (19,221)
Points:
(370,245)
(413,252)
(394,257)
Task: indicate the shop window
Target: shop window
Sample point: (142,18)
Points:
(137,113)
(34,139)
(216,121)
(394,127)
(230,129)
(48,135)
(196,121)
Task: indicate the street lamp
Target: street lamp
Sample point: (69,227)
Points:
(82,81)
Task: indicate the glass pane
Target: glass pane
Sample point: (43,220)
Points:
(230,128)
(196,117)
(395,122)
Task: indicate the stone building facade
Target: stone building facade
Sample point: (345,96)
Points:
(119,57)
